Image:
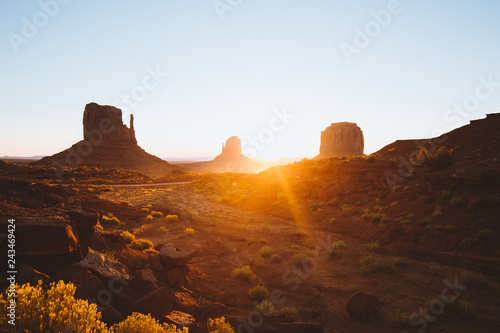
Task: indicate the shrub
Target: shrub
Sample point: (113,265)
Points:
(144,210)
(369,264)
(189,232)
(339,245)
(142,244)
(275,258)
(472,280)
(244,273)
(394,203)
(52,310)
(110,218)
(266,227)
(151,251)
(437,212)
(353,288)
(288,314)
(372,246)
(484,234)
(332,220)
(124,202)
(149,218)
(128,237)
(299,259)
(441,159)
(456,202)
(139,323)
(265,251)
(149,206)
(156,214)
(219,325)
(266,307)
(463,308)
(385,219)
(258,293)
(434,269)
(346,210)
(370,158)
(171,218)
(98,227)
(397,319)
(162,229)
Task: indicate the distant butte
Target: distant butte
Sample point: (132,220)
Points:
(108,144)
(341,139)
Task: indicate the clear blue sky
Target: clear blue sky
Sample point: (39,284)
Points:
(226,76)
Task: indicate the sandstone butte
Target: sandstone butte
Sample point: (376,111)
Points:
(341,139)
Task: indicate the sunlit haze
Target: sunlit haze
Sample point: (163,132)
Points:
(274,73)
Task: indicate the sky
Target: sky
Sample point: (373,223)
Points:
(275,73)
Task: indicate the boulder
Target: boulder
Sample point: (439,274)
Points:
(87,284)
(185,302)
(341,139)
(361,305)
(111,316)
(27,274)
(215,310)
(180,319)
(170,257)
(84,219)
(145,280)
(155,262)
(158,303)
(175,278)
(104,267)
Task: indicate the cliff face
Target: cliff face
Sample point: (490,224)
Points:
(341,139)
(106,121)
(108,143)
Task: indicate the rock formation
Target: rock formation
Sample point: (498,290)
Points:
(231,159)
(341,139)
(109,144)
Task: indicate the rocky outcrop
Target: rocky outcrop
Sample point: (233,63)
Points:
(361,305)
(109,144)
(231,159)
(341,139)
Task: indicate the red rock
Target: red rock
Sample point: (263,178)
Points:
(111,316)
(83,218)
(185,302)
(157,303)
(341,139)
(361,305)
(180,319)
(175,278)
(87,284)
(170,257)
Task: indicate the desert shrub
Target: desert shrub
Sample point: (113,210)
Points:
(484,234)
(145,210)
(437,212)
(258,293)
(472,279)
(265,251)
(124,202)
(148,206)
(394,203)
(128,237)
(370,264)
(295,246)
(456,201)
(463,308)
(189,232)
(266,227)
(219,325)
(449,228)
(142,244)
(162,229)
(156,214)
(171,218)
(98,227)
(275,258)
(51,310)
(339,245)
(299,259)
(139,323)
(149,218)
(266,307)
(372,246)
(353,288)
(441,159)
(258,261)
(318,294)
(434,269)
(397,319)
(346,210)
(385,219)
(288,314)
(109,254)
(110,218)
(446,195)
(332,220)
(370,158)
(244,273)
(424,221)
(467,243)
(263,241)
(151,251)
(376,217)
